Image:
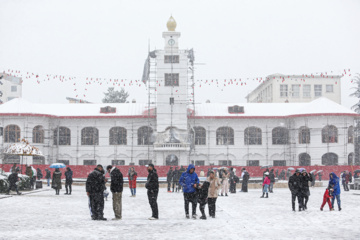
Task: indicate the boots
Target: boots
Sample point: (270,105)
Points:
(262,195)
(299,209)
(267,195)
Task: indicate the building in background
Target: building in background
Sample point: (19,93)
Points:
(171,130)
(10,87)
(279,88)
(76,100)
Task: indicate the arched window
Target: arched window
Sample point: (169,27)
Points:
(144,136)
(64,136)
(118,136)
(253,136)
(280,136)
(351,159)
(89,136)
(329,134)
(225,136)
(329,159)
(12,134)
(304,136)
(172,160)
(351,134)
(200,136)
(38,134)
(304,159)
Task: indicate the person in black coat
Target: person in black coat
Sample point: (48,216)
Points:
(176,177)
(277,174)
(203,191)
(295,188)
(39,174)
(116,188)
(13,178)
(232,181)
(320,176)
(305,191)
(95,186)
(68,180)
(245,180)
(313,177)
(169,178)
(272,180)
(152,186)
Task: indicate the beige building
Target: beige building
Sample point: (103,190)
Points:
(279,88)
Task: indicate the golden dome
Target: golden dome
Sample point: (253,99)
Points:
(171,24)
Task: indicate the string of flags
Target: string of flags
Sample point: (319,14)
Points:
(83,84)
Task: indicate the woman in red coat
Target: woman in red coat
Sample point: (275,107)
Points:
(132,181)
(266,184)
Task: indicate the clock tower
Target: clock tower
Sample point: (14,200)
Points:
(172,77)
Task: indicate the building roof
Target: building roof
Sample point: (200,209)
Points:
(320,106)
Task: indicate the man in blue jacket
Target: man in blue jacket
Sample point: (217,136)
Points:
(189,181)
(334,182)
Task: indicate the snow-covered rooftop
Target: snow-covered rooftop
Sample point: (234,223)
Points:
(320,106)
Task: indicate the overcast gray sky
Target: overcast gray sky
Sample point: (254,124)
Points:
(234,39)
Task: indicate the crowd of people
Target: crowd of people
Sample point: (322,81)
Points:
(218,182)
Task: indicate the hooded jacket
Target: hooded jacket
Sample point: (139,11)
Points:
(187,180)
(68,176)
(117,180)
(95,182)
(334,182)
(152,183)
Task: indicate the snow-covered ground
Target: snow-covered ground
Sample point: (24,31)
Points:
(43,215)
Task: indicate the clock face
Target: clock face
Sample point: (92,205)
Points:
(171,42)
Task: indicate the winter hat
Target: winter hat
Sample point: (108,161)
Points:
(266,173)
(99,165)
(297,171)
(108,167)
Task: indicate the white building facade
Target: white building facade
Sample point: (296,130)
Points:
(172,130)
(10,87)
(279,88)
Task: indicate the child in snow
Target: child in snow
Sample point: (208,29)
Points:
(266,184)
(203,191)
(327,197)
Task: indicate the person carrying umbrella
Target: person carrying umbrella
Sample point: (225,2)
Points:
(56,181)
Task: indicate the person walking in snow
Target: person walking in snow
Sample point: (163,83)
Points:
(245,180)
(189,182)
(56,181)
(225,182)
(272,180)
(68,180)
(181,171)
(327,198)
(95,186)
(312,175)
(176,178)
(203,191)
(214,187)
(334,183)
(116,188)
(48,176)
(266,184)
(305,191)
(295,188)
(320,176)
(132,176)
(152,186)
(13,178)
(232,180)
(39,174)
(169,178)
